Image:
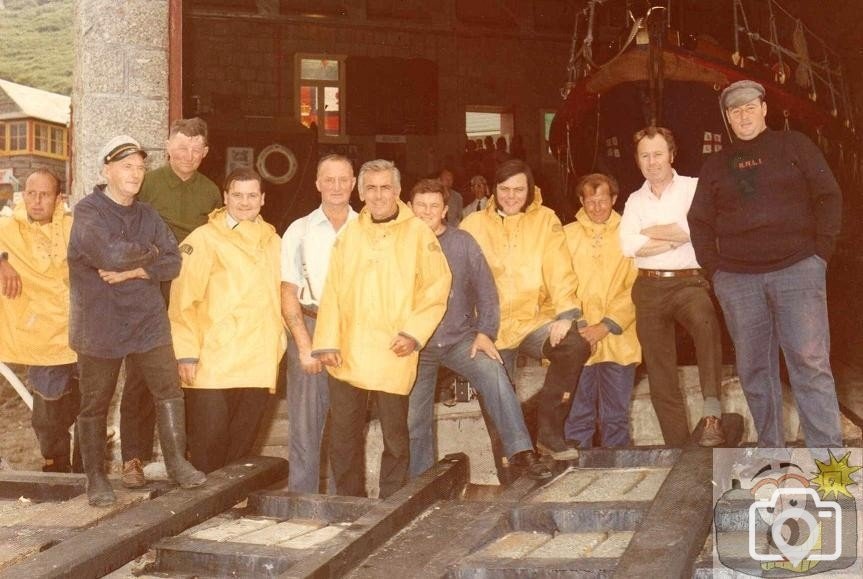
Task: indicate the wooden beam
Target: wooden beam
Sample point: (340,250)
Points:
(119,539)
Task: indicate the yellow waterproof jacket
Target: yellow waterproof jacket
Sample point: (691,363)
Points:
(34,327)
(605,279)
(531,266)
(225,310)
(384,279)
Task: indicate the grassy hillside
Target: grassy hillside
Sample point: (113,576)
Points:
(36,43)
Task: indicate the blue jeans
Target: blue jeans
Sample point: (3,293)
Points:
(783,309)
(496,393)
(604,389)
(308,403)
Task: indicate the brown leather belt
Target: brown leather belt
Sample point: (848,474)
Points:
(309,311)
(661,273)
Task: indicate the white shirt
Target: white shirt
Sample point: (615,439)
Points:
(644,209)
(308,242)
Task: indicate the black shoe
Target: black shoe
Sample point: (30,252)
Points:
(527,462)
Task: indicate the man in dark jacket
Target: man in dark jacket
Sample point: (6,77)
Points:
(764,223)
(184,198)
(119,252)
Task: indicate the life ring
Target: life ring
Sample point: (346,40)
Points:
(261,164)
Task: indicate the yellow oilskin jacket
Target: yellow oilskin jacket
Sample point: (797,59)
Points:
(605,279)
(531,266)
(225,307)
(34,327)
(384,279)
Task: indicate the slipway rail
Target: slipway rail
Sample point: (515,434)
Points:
(613,513)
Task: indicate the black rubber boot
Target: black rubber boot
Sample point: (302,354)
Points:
(555,399)
(171,418)
(91,432)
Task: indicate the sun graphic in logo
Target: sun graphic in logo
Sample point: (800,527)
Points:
(834,477)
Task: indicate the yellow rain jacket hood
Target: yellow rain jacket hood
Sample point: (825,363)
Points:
(384,279)
(34,327)
(225,307)
(531,266)
(605,279)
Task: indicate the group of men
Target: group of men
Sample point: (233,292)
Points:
(376,302)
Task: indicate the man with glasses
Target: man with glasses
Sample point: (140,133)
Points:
(184,198)
(764,223)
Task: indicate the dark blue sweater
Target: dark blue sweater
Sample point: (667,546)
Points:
(765,204)
(111,321)
(473,304)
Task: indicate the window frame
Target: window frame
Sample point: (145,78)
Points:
(51,143)
(8,125)
(320,86)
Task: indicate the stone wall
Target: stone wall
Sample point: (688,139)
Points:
(120,81)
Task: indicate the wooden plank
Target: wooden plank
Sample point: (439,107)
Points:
(121,538)
(443,535)
(386,518)
(76,513)
(680,516)
(41,486)
(281,532)
(314,539)
(515,545)
(233,530)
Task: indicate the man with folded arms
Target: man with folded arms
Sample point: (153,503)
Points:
(671,288)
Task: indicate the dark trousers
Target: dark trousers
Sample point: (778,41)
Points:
(222,424)
(51,421)
(98,378)
(348,406)
(137,412)
(659,303)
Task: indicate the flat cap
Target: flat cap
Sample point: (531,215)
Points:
(740,92)
(118,148)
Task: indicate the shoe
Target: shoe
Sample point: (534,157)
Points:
(171,418)
(527,462)
(92,440)
(133,474)
(557,452)
(712,433)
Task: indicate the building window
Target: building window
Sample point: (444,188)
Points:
(494,122)
(17,136)
(58,141)
(320,99)
(2,137)
(49,140)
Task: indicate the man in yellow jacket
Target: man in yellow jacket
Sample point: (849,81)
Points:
(386,292)
(539,309)
(605,279)
(34,312)
(226,324)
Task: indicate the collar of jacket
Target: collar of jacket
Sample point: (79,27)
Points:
(405,213)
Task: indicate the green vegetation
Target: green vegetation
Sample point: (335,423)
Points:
(36,46)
